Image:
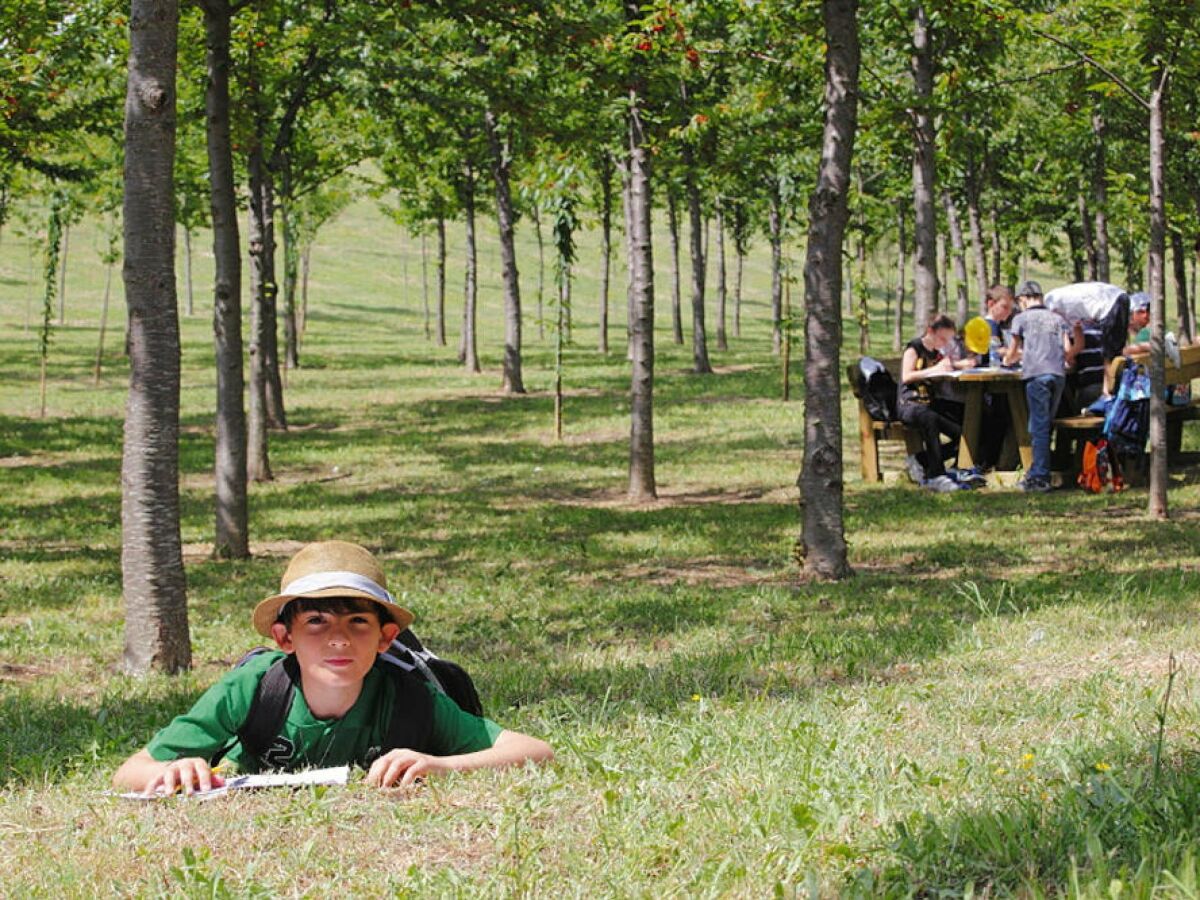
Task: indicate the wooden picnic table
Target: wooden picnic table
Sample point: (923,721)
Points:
(990,380)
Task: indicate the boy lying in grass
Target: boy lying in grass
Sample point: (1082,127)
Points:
(333,616)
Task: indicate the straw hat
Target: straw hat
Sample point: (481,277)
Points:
(331,569)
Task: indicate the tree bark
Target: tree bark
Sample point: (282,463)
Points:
(441,281)
(1183,315)
(676,280)
(775,225)
(187,271)
(700,363)
(1157,506)
(264,288)
(62,273)
(975,224)
(823,539)
(737,293)
(258,464)
(1089,238)
(994,217)
(960,257)
(722,341)
(305,268)
(291,274)
(425,285)
(925,275)
(1100,197)
(512,382)
(468,351)
(155,591)
(606,198)
(232,531)
(642,484)
(901,278)
(541,280)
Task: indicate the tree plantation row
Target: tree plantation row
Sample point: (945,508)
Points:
(1011,130)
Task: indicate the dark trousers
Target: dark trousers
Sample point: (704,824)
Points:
(932,421)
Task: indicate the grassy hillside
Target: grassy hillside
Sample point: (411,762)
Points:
(980,708)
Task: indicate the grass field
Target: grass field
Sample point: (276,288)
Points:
(981,709)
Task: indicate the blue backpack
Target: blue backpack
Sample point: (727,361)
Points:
(1127,423)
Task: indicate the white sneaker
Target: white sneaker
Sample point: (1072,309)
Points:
(943,484)
(916,471)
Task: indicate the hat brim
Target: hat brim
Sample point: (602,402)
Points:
(267,612)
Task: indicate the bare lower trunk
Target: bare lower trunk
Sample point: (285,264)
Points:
(700,363)
(441,281)
(425,285)
(901,279)
(975,225)
(1100,197)
(676,280)
(722,342)
(1183,317)
(541,280)
(187,271)
(1089,238)
(1157,506)
(62,273)
(258,465)
(823,541)
(996,250)
(627,210)
(775,224)
(468,352)
(232,531)
(305,268)
(291,274)
(156,620)
(737,294)
(512,382)
(264,289)
(925,275)
(960,257)
(606,176)
(864,309)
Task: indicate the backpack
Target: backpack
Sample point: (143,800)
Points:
(1097,469)
(1127,424)
(877,388)
(410,665)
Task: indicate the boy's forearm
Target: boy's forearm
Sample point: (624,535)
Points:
(511,748)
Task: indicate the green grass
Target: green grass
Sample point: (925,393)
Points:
(975,711)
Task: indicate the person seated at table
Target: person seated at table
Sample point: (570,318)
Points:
(1139,324)
(924,359)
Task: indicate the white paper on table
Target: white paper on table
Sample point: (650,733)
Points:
(334,775)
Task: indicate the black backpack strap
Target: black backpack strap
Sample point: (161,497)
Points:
(269,708)
(411,722)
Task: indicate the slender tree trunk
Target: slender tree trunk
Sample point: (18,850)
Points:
(606,201)
(541,279)
(425,285)
(901,278)
(512,381)
(642,484)
(155,591)
(924,149)
(1089,238)
(864,309)
(232,531)
(823,540)
(700,363)
(1100,197)
(975,225)
(258,465)
(676,280)
(960,257)
(1075,246)
(305,268)
(1157,507)
(468,352)
(108,271)
(722,342)
(737,292)
(942,303)
(187,271)
(441,281)
(265,287)
(291,274)
(1183,318)
(996,250)
(62,274)
(775,225)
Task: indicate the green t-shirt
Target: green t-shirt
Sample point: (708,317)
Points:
(213,721)
(1142,337)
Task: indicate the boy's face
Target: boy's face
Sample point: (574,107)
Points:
(1139,319)
(335,650)
(1001,309)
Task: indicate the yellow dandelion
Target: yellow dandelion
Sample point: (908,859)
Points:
(695,696)
(1102,767)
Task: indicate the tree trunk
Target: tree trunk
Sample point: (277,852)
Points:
(468,352)
(1157,507)
(975,224)
(62,274)
(676,280)
(305,267)
(960,257)
(996,254)
(1075,246)
(1089,238)
(737,293)
(606,177)
(823,539)
(722,342)
(232,532)
(512,382)
(924,206)
(641,290)
(901,279)
(942,303)
(775,224)
(263,286)
(258,465)
(291,274)
(156,619)
(864,309)
(1183,317)
(108,270)
(700,363)
(425,285)
(1100,197)
(541,281)
(187,271)
(441,281)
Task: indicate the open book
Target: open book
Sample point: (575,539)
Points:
(333,775)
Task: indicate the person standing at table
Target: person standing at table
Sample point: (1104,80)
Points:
(925,357)
(1044,343)
(993,424)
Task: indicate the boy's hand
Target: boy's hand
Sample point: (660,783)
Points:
(189,774)
(402,767)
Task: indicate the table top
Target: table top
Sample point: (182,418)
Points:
(984,374)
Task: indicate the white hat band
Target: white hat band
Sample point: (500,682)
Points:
(319,581)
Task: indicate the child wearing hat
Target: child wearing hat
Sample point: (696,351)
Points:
(333,616)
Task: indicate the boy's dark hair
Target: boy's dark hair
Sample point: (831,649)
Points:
(938,321)
(338,606)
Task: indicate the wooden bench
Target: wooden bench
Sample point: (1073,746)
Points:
(872,432)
